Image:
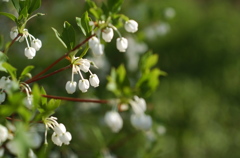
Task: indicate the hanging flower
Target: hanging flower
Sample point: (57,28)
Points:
(66,137)
(3,134)
(36,44)
(71,87)
(30,52)
(94,80)
(13,33)
(113,120)
(138,104)
(131,26)
(107,34)
(83,85)
(122,44)
(141,121)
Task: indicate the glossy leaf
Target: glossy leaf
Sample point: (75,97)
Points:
(25,72)
(59,37)
(68,35)
(10,16)
(83,23)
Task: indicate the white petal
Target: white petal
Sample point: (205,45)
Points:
(83,85)
(94,80)
(131,26)
(71,87)
(113,120)
(122,44)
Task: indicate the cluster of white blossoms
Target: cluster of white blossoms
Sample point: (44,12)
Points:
(107,35)
(80,64)
(5,85)
(139,119)
(35,44)
(60,135)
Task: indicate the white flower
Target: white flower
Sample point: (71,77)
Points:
(131,26)
(139,105)
(107,34)
(12,146)
(71,87)
(2,97)
(93,41)
(56,140)
(122,44)
(3,134)
(94,80)
(13,33)
(97,49)
(113,120)
(66,138)
(84,64)
(59,129)
(36,44)
(141,121)
(30,52)
(83,85)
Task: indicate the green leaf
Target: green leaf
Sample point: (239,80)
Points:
(11,70)
(34,6)
(53,104)
(115,5)
(10,16)
(96,12)
(43,99)
(25,72)
(83,23)
(16,5)
(68,35)
(59,37)
(3,57)
(148,60)
(91,4)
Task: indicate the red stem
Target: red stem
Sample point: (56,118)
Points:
(76,99)
(20,34)
(62,57)
(50,74)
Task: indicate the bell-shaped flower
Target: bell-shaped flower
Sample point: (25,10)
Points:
(71,87)
(59,129)
(138,104)
(2,97)
(131,26)
(13,33)
(113,120)
(122,44)
(83,85)
(36,44)
(84,64)
(93,41)
(56,139)
(94,80)
(97,49)
(107,34)
(3,134)
(66,138)
(30,52)
(141,121)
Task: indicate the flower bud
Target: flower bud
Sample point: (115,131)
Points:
(98,49)
(56,140)
(36,44)
(122,44)
(93,41)
(142,121)
(107,34)
(59,129)
(131,26)
(84,64)
(30,52)
(83,85)
(66,138)
(138,105)
(71,87)
(113,120)
(13,33)
(94,80)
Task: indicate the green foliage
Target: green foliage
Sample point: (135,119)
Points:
(25,72)
(84,25)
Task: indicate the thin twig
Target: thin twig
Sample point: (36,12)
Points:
(14,40)
(76,99)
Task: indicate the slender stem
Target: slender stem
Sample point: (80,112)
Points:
(62,57)
(76,99)
(50,74)
(20,34)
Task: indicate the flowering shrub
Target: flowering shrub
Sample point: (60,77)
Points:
(24,102)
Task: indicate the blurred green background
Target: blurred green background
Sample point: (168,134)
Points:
(196,109)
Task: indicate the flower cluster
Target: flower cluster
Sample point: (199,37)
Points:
(80,64)
(60,135)
(107,35)
(138,119)
(35,44)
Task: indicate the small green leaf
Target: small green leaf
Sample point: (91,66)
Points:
(43,99)
(68,35)
(25,72)
(58,37)
(35,4)
(3,57)
(96,12)
(114,5)
(83,23)
(91,4)
(53,104)
(10,16)
(16,5)
(11,70)
(148,60)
